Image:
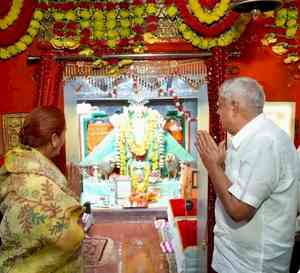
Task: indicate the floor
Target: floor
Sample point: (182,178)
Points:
(136,246)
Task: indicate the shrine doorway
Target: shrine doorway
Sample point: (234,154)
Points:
(174,91)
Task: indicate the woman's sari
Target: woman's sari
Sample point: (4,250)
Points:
(40,229)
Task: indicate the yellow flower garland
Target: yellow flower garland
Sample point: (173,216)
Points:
(209,17)
(224,39)
(288,18)
(25,40)
(12,15)
(122,153)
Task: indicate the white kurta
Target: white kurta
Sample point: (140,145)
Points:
(264,169)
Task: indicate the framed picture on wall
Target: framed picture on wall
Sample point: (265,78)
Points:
(283,114)
(11,126)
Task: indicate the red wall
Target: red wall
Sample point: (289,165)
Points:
(278,79)
(18,91)
(18,88)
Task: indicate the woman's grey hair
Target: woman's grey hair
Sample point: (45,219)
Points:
(244,89)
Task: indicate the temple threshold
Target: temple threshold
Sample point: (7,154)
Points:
(129,214)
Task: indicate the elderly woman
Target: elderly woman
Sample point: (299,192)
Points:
(40,230)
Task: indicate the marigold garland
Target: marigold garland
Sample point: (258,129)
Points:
(116,26)
(151,146)
(25,40)
(288,18)
(12,15)
(224,39)
(209,16)
(203,29)
(111,27)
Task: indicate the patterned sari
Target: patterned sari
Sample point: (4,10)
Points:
(40,229)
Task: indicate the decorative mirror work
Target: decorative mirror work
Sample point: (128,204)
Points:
(140,80)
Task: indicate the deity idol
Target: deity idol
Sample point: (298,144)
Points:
(139,145)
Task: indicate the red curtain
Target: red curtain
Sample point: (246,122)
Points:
(50,91)
(50,85)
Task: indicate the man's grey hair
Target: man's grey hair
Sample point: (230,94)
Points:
(247,89)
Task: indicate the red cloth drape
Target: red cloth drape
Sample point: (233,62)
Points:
(50,91)
(50,86)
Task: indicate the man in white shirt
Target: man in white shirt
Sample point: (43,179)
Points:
(256,202)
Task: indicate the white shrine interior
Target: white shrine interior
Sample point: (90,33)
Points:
(156,115)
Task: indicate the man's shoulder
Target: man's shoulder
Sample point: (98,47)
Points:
(271,131)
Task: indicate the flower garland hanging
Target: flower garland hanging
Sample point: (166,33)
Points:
(288,18)
(117,26)
(111,26)
(224,39)
(209,16)
(12,15)
(150,147)
(203,29)
(196,39)
(25,40)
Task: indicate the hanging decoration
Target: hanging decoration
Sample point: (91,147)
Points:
(12,14)
(25,40)
(97,28)
(283,40)
(209,16)
(207,28)
(204,29)
(287,18)
(224,39)
(149,146)
(110,26)
(145,74)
